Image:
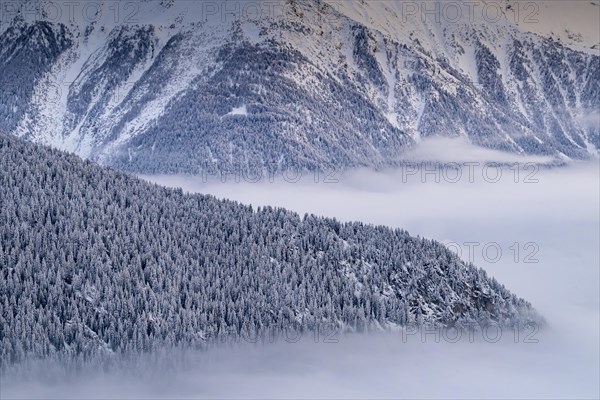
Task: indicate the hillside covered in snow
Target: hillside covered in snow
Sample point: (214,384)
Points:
(94,263)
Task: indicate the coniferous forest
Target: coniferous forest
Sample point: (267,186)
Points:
(95,263)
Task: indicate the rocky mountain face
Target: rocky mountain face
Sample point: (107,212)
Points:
(181,86)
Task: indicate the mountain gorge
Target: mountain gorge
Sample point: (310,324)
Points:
(181,86)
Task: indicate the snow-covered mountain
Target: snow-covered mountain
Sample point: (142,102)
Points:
(180,86)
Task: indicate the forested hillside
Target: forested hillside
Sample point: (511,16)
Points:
(94,262)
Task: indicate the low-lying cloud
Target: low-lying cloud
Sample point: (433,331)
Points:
(546,232)
(447,150)
(538,236)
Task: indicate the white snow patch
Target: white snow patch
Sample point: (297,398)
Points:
(242,110)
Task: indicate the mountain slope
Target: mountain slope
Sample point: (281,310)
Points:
(95,263)
(322,85)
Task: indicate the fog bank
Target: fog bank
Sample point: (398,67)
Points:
(540,238)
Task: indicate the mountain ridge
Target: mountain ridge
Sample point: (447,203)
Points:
(320,89)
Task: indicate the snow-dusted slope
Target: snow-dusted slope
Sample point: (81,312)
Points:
(154,86)
(96,264)
(572,23)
